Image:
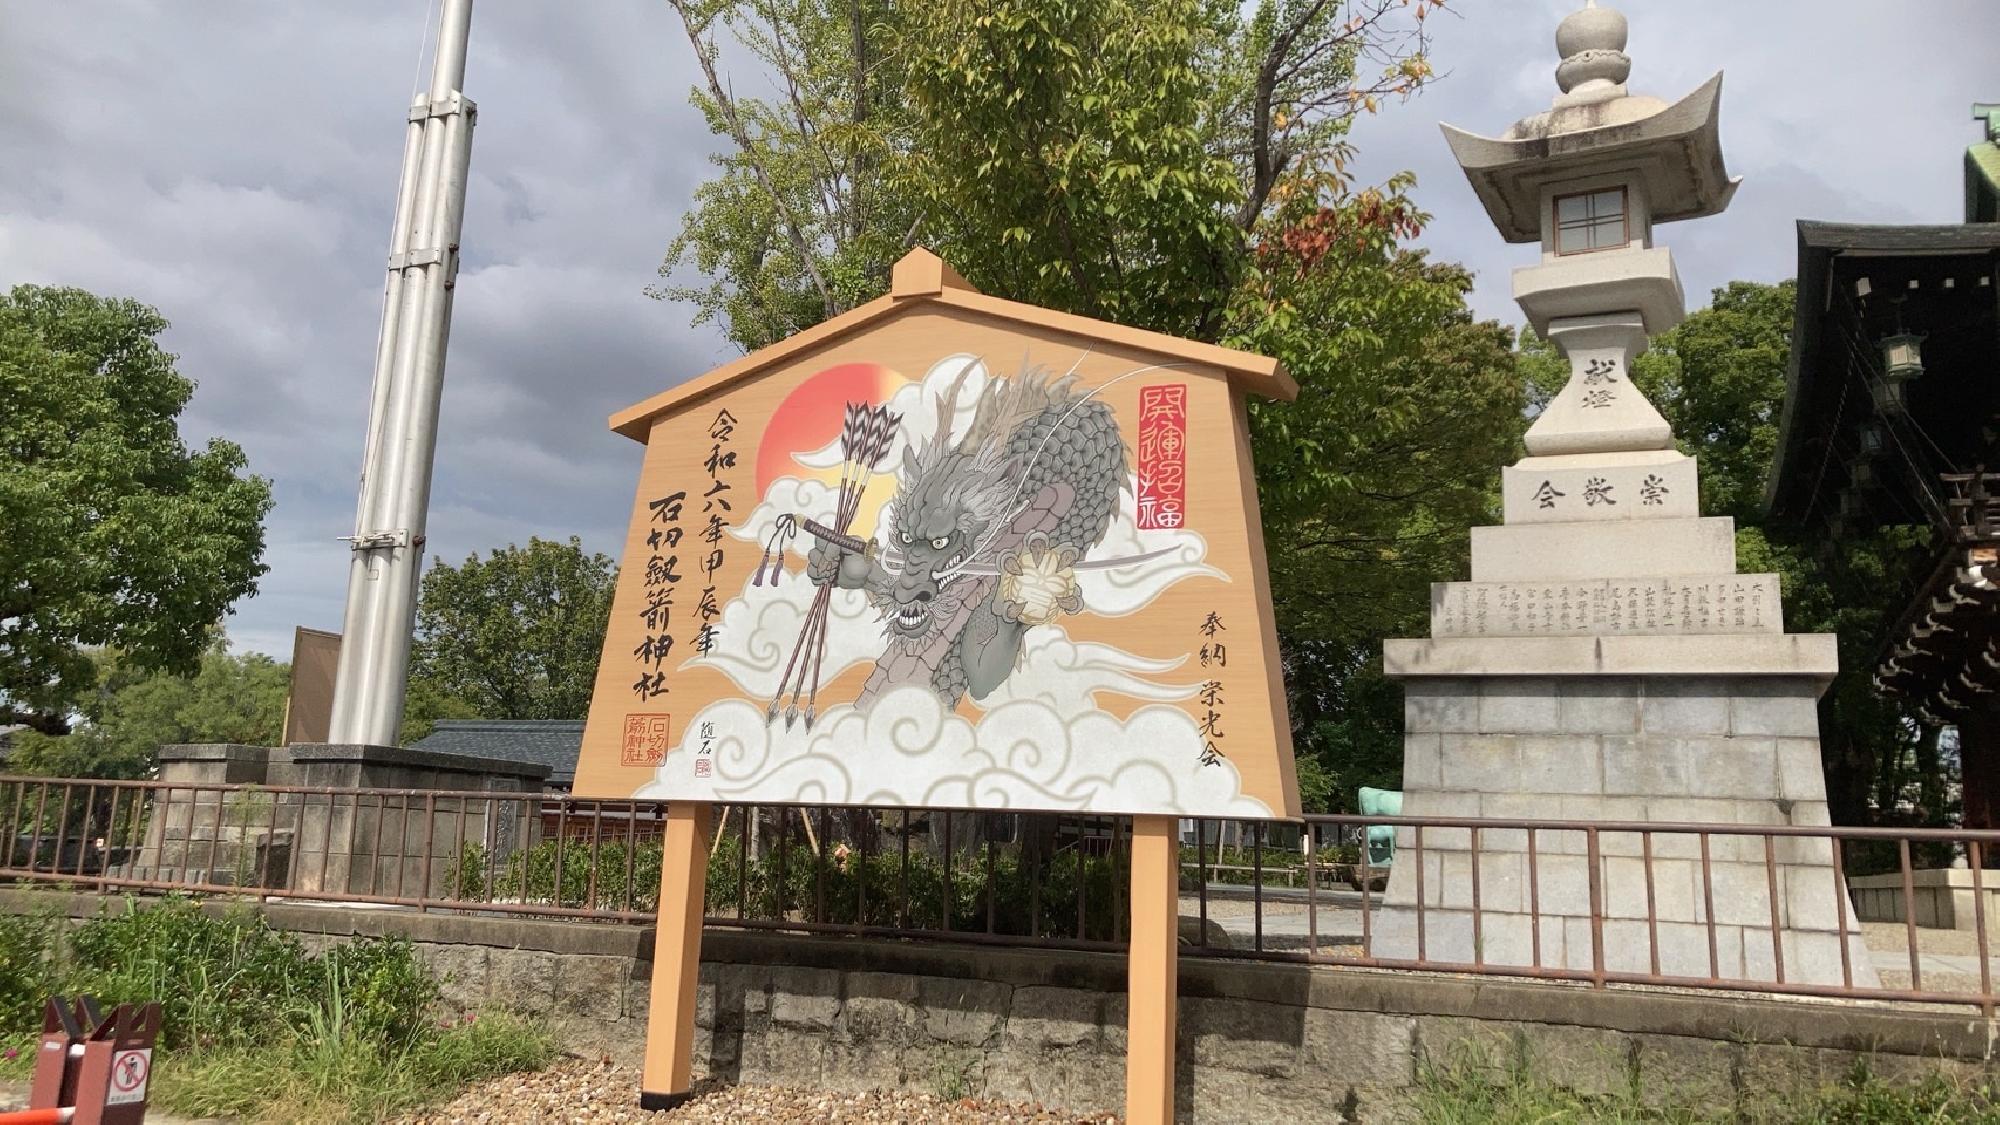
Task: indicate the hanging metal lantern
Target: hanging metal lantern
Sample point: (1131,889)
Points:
(1902,356)
(1902,361)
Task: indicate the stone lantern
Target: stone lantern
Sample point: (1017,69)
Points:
(1607,662)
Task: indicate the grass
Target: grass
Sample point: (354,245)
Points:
(1464,1094)
(254,1026)
(329,1074)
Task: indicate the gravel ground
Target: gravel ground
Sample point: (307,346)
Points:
(583,1091)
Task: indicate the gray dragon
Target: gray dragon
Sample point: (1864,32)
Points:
(986,534)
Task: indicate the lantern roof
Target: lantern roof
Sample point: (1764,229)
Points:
(1597,126)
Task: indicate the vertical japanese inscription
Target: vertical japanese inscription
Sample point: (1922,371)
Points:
(663,576)
(1210,696)
(1600,378)
(647,736)
(1163,456)
(714,507)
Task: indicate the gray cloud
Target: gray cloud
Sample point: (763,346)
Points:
(233,163)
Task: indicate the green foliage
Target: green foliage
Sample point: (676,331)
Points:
(385,995)
(117,534)
(332,1072)
(221,980)
(1282,867)
(136,710)
(1719,380)
(28,969)
(516,635)
(1106,157)
(1063,152)
(253,1026)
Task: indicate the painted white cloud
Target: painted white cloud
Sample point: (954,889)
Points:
(1119,590)
(917,403)
(759,630)
(908,750)
(1067,676)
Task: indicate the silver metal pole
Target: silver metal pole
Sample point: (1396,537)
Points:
(388,540)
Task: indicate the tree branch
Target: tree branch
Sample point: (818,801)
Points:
(726,104)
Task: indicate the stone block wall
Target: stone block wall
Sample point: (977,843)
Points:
(368,845)
(1257,1042)
(1941,898)
(1735,750)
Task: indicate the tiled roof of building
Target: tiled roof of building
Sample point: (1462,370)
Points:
(550,742)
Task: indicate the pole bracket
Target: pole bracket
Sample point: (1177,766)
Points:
(423,256)
(424,108)
(377,540)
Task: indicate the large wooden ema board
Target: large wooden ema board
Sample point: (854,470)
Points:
(947,551)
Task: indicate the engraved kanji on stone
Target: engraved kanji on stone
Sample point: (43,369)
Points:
(1600,371)
(1597,491)
(1547,495)
(1653,491)
(1600,397)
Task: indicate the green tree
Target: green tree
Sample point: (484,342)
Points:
(115,532)
(1719,379)
(134,711)
(516,635)
(1105,157)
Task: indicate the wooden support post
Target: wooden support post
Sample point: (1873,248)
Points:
(1152,972)
(669,1071)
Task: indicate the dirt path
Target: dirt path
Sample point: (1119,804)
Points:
(583,1091)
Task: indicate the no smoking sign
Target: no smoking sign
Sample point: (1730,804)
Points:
(129,1071)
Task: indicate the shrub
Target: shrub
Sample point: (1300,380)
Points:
(388,997)
(838,884)
(255,1026)
(28,969)
(220,978)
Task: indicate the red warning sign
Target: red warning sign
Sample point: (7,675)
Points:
(129,1072)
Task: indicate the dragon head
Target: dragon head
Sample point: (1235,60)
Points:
(947,501)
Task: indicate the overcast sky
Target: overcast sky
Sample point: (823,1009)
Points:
(234,164)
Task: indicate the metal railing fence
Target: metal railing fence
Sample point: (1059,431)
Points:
(1765,908)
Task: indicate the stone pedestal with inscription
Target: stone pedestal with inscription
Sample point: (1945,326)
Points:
(1606,662)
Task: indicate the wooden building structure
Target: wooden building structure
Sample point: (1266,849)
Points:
(1892,418)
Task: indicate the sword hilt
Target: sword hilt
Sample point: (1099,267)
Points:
(834,538)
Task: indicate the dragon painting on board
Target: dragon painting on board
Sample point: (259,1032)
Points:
(986,531)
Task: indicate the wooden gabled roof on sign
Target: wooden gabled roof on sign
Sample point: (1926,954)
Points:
(920,278)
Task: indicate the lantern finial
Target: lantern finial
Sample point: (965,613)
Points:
(1591,42)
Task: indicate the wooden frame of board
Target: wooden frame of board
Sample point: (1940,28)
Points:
(947,550)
